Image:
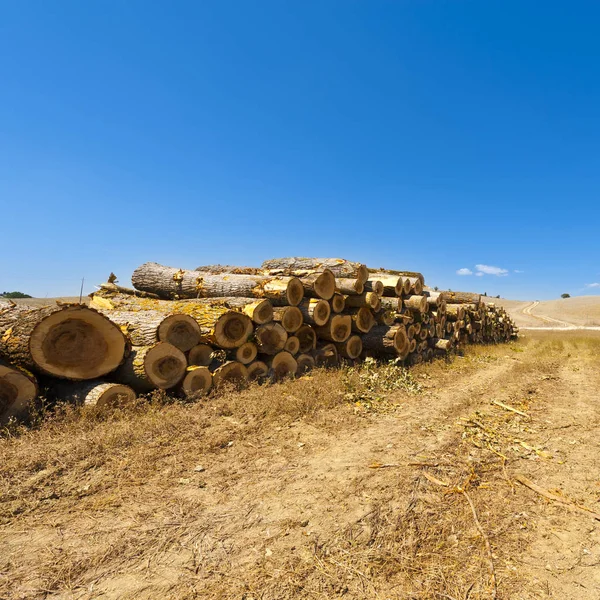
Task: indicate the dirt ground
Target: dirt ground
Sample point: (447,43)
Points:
(345,484)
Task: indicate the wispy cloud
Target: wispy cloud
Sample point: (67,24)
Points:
(517,271)
(464,272)
(489,270)
(479,274)
(592,285)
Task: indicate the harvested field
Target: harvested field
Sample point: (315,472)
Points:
(370,482)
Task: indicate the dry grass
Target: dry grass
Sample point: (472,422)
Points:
(267,493)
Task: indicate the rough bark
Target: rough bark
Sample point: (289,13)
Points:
(338,266)
(315,311)
(220,269)
(351,348)
(98,393)
(290,317)
(307,337)
(337,329)
(69,342)
(197,382)
(351,287)
(171,283)
(148,367)
(18,389)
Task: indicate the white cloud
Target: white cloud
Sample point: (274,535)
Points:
(592,285)
(479,274)
(464,272)
(517,271)
(488,270)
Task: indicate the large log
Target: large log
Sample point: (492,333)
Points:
(385,340)
(290,317)
(219,324)
(245,354)
(201,355)
(351,348)
(362,319)
(292,345)
(260,311)
(416,303)
(337,329)
(282,365)
(305,363)
(69,342)
(145,328)
(18,388)
(171,283)
(352,287)
(338,266)
(315,311)
(257,370)
(370,299)
(148,367)
(319,285)
(462,298)
(232,373)
(400,273)
(307,337)
(326,355)
(338,302)
(197,381)
(220,269)
(270,338)
(392,284)
(98,393)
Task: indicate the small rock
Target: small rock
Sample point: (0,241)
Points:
(199,469)
(268,552)
(183,480)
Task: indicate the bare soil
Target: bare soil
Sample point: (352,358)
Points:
(343,484)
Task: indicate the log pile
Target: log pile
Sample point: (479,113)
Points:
(191,331)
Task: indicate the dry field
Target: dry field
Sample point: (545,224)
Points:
(367,483)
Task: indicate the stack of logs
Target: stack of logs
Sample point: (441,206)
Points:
(190,331)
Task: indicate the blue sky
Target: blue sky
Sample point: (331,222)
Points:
(431,136)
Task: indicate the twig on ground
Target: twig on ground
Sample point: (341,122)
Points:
(510,408)
(550,496)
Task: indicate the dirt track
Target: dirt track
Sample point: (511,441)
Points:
(288,506)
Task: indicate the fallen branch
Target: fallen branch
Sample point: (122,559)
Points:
(510,408)
(550,496)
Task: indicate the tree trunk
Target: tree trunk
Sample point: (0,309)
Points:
(307,338)
(270,338)
(351,287)
(147,367)
(282,365)
(290,317)
(337,329)
(231,372)
(92,393)
(383,340)
(257,370)
(351,348)
(416,303)
(171,283)
(18,389)
(462,298)
(362,319)
(221,269)
(338,266)
(305,363)
(319,285)
(314,311)
(292,345)
(338,302)
(197,382)
(370,299)
(69,342)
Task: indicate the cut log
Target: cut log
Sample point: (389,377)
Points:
(307,337)
(337,329)
(435,299)
(171,283)
(370,299)
(455,312)
(18,389)
(338,302)
(260,311)
(305,363)
(292,345)
(412,274)
(246,353)
(231,372)
(319,285)
(257,370)
(69,342)
(100,394)
(315,311)
(200,355)
(362,319)
(290,317)
(220,269)
(282,365)
(393,304)
(147,367)
(462,298)
(385,340)
(374,285)
(385,317)
(352,287)
(415,302)
(270,338)
(392,284)
(338,266)
(326,355)
(351,348)
(197,381)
